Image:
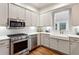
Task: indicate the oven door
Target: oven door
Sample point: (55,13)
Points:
(19,47)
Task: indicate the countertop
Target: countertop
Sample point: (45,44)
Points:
(4,37)
(51,35)
(54,34)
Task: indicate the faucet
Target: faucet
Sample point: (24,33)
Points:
(61,31)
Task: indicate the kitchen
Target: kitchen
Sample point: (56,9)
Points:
(25,27)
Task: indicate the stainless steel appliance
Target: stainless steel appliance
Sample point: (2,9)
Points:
(19,44)
(15,23)
(33,42)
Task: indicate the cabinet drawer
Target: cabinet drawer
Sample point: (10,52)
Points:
(4,42)
(74,39)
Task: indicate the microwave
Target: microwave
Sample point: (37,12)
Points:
(15,23)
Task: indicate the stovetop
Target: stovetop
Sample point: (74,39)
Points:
(19,34)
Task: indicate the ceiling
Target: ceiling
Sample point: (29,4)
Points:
(39,6)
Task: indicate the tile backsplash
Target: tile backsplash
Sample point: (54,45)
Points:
(6,31)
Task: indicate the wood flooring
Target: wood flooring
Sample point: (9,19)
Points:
(43,51)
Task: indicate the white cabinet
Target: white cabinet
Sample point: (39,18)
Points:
(46,19)
(42,39)
(53,43)
(39,39)
(45,40)
(63,46)
(75,15)
(32,18)
(28,18)
(3,14)
(4,47)
(74,46)
(35,19)
(16,12)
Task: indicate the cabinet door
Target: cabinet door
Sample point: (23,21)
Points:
(63,46)
(35,19)
(54,43)
(21,13)
(74,48)
(28,18)
(13,11)
(46,40)
(39,39)
(75,15)
(4,50)
(42,39)
(46,19)
(3,14)
(4,47)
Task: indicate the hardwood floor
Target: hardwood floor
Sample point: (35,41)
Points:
(43,51)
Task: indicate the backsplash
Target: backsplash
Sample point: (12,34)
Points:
(75,29)
(45,29)
(6,31)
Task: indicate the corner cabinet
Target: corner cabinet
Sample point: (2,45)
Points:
(46,19)
(3,14)
(16,12)
(45,40)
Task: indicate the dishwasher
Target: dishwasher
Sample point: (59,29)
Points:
(4,47)
(33,42)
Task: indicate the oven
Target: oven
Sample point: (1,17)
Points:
(19,45)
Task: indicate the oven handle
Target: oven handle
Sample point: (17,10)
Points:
(19,41)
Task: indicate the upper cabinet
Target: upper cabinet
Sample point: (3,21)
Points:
(16,12)
(28,18)
(35,19)
(32,18)
(46,19)
(75,15)
(3,14)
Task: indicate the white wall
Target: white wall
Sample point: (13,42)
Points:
(6,31)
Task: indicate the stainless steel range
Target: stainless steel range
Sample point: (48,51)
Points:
(19,44)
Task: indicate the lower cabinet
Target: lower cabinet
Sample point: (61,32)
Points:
(74,46)
(45,40)
(53,43)
(38,39)
(4,47)
(60,45)
(63,46)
